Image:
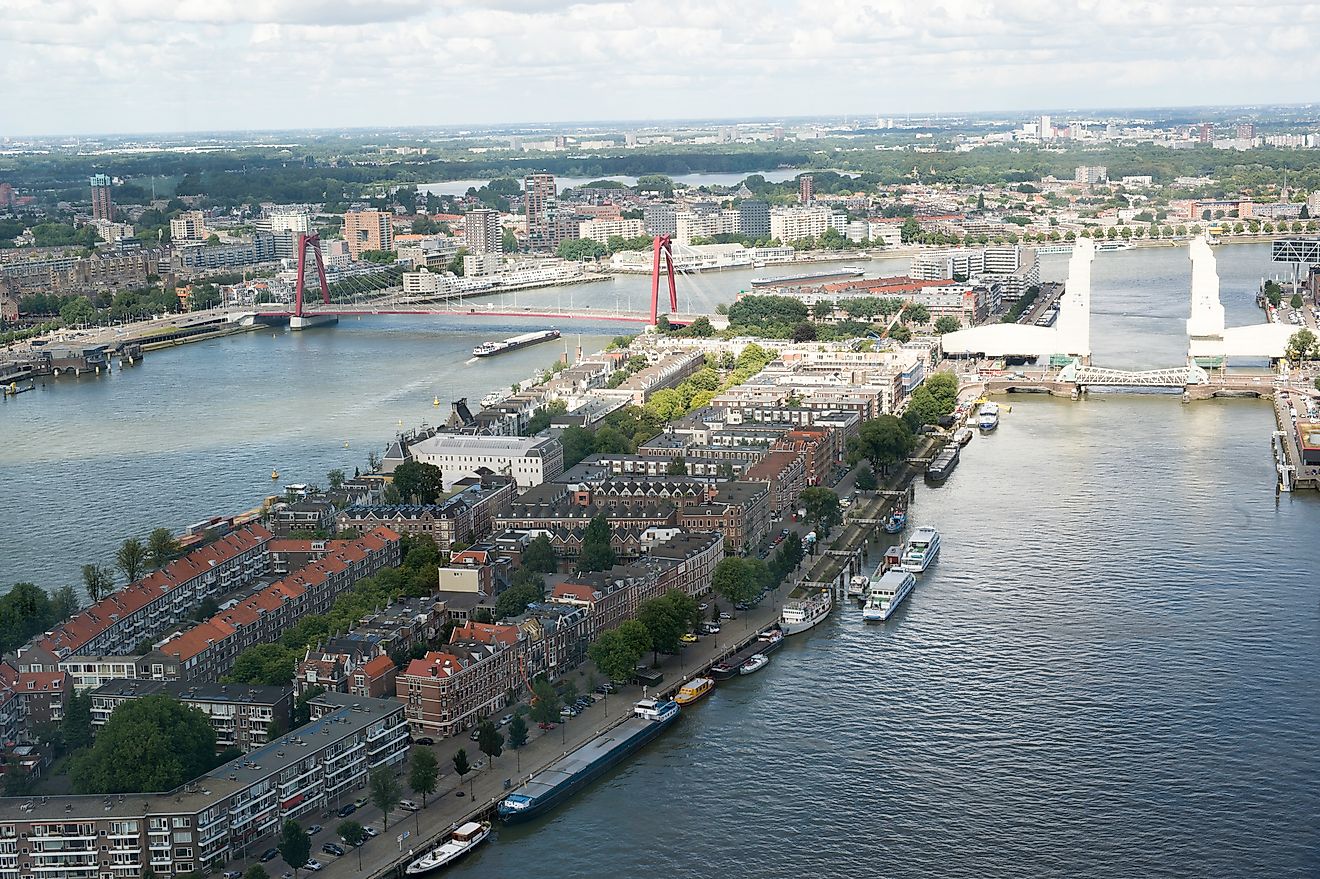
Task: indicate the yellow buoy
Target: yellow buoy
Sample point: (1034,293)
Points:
(435,401)
(345,443)
(274,474)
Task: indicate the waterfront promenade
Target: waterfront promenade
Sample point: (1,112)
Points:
(386,853)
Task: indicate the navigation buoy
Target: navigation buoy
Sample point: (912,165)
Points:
(274,474)
(435,401)
(345,443)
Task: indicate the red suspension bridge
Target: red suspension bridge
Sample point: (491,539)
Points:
(307,312)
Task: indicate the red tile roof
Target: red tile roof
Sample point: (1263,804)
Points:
(576,592)
(444,664)
(378,666)
(485,633)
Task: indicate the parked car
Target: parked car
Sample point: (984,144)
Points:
(347,810)
(371,831)
(725,615)
(360,802)
(232,874)
(475,734)
(409,805)
(544,725)
(506,720)
(567,711)
(333,848)
(424,740)
(313,864)
(269,854)
(688,638)
(314,829)
(710,628)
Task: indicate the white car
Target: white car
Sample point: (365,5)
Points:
(314,865)
(370,831)
(409,805)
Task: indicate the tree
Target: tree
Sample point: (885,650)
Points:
(98,581)
(383,789)
(63,603)
(76,727)
(1296,301)
(336,478)
(461,765)
(150,744)
(540,556)
(617,651)
(884,441)
(545,704)
(256,871)
(865,480)
(161,548)
(804,332)
(268,664)
(822,506)
(676,467)
(490,740)
(130,558)
(517,735)
(917,313)
(597,552)
(1302,346)
(947,323)
(353,835)
(733,580)
(414,479)
(295,845)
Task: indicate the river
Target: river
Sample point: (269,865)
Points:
(1111,670)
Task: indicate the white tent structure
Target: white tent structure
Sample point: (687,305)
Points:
(1209,338)
(1070,335)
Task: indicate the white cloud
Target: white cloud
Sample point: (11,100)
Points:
(85,65)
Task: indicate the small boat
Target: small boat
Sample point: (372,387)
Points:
(988,417)
(770,640)
(14,389)
(274,474)
(857,586)
(694,690)
(963,437)
(896,521)
(755,664)
(460,842)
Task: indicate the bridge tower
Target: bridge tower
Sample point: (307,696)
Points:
(1072,328)
(662,244)
(1207,315)
(306,241)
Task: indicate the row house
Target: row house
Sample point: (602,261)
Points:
(465,517)
(820,447)
(740,511)
(90,672)
(241,714)
(219,817)
(786,473)
(338,664)
(208,650)
(651,466)
(119,622)
(454,689)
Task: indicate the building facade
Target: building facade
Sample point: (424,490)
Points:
(241,714)
(368,230)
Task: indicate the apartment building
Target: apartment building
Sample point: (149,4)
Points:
(214,818)
(241,714)
(786,473)
(209,649)
(603,230)
(529,460)
(463,518)
(119,622)
(90,672)
(793,224)
(740,511)
(482,232)
(368,230)
(188,226)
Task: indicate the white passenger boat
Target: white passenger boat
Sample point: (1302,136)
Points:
(922,550)
(887,593)
(801,614)
(459,843)
(988,417)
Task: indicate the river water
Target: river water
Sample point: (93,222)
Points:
(1111,671)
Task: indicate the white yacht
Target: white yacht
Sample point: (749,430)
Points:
(459,843)
(857,586)
(887,593)
(755,664)
(922,550)
(801,614)
(988,417)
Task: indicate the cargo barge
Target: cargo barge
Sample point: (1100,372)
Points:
(490,349)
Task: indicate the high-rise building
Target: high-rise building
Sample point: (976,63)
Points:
(1207,133)
(660,218)
(1246,131)
(188,226)
(102,207)
(754,219)
(482,232)
(368,230)
(1091,174)
(6,195)
(1046,128)
(806,189)
(545,226)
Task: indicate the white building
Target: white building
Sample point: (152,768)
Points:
(188,226)
(601,230)
(792,224)
(476,265)
(1091,174)
(689,225)
(529,460)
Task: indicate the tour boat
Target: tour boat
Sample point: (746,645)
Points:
(887,593)
(755,664)
(459,843)
(921,550)
(694,690)
(988,418)
(801,614)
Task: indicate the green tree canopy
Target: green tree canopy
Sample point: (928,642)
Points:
(295,845)
(822,506)
(161,548)
(517,732)
(490,740)
(25,610)
(617,651)
(884,441)
(545,707)
(423,773)
(269,664)
(540,555)
(131,558)
(155,743)
(597,552)
(734,580)
(384,791)
(415,479)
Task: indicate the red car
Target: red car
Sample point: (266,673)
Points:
(546,725)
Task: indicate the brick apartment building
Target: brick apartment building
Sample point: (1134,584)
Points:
(241,714)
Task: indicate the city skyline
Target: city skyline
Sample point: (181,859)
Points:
(225,66)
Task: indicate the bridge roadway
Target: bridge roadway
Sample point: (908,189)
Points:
(319,310)
(1056,383)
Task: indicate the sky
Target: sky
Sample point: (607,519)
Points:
(88,66)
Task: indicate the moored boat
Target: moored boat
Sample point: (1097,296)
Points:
(694,690)
(575,770)
(857,586)
(887,593)
(770,640)
(921,550)
(801,614)
(988,416)
(463,840)
(944,463)
(896,521)
(755,664)
(963,436)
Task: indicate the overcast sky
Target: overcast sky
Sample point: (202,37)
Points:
(79,66)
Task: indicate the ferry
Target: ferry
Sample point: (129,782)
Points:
(460,842)
(755,664)
(944,462)
(575,770)
(896,521)
(988,416)
(513,343)
(922,550)
(887,593)
(694,690)
(801,614)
